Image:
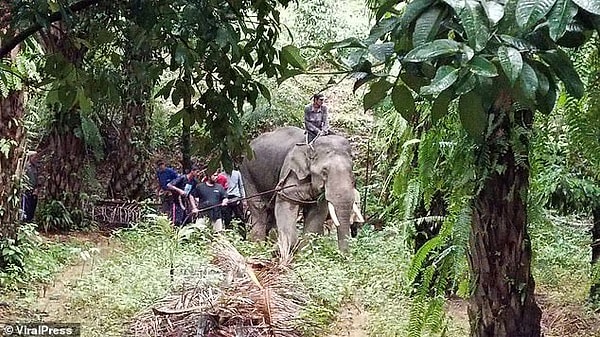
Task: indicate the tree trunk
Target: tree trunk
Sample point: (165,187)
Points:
(12,139)
(595,288)
(11,162)
(503,304)
(131,177)
(63,166)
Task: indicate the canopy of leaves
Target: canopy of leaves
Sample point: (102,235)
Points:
(475,48)
(212,50)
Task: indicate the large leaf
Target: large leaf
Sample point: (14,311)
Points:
(291,54)
(472,116)
(440,106)
(528,82)
(432,50)
(427,25)
(362,78)
(413,10)
(561,65)
(377,93)
(592,6)
(483,67)
(560,16)
(444,78)
(382,51)
(511,62)
(381,28)
(475,23)
(404,102)
(350,42)
(529,12)
(493,10)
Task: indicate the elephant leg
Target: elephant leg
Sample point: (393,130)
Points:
(285,215)
(314,217)
(259,220)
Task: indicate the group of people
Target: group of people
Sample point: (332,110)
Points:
(216,195)
(220,195)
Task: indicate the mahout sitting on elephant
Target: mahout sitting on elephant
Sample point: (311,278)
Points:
(316,178)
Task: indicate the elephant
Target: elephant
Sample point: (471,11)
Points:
(316,178)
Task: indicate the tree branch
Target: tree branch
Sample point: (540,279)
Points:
(56,16)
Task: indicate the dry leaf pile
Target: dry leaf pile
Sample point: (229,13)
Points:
(255,299)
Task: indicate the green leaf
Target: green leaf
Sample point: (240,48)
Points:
(444,78)
(404,102)
(413,10)
(381,28)
(382,51)
(472,116)
(493,10)
(475,24)
(440,106)
(414,82)
(384,8)
(511,62)
(427,25)
(362,78)
(529,12)
(287,73)
(378,92)
(264,91)
(592,6)
(431,50)
(291,54)
(561,65)
(560,16)
(350,42)
(481,66)
(84,102)
(528,82)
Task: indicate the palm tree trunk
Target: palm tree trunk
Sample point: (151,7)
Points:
(63,169)
(130,179)
(503,304)
(11,130)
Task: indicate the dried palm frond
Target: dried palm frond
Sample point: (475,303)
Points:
(255,299)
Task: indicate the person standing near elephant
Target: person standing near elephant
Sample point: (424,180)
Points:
(315,118)
(181,188)
(212,195)
(165,175)
(235,208)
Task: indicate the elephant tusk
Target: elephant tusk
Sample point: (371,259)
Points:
(334,217)
(358,217)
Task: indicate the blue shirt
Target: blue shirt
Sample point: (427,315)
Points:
(166,176)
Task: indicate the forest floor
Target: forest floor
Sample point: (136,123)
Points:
(54,302)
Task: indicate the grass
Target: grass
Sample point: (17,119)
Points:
(373,276)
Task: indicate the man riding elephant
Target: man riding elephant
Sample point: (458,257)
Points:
(315,178)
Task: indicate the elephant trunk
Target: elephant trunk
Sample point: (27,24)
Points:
(341,213)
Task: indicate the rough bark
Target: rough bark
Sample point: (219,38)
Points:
(12,139)
(65,150)
(130,179)
(11,162)
(503,304)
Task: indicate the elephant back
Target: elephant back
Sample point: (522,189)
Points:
(270,150)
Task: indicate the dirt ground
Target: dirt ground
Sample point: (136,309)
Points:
(50,303)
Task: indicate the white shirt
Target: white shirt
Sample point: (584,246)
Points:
(235,184)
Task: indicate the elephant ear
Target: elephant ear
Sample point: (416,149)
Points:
(296,161)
